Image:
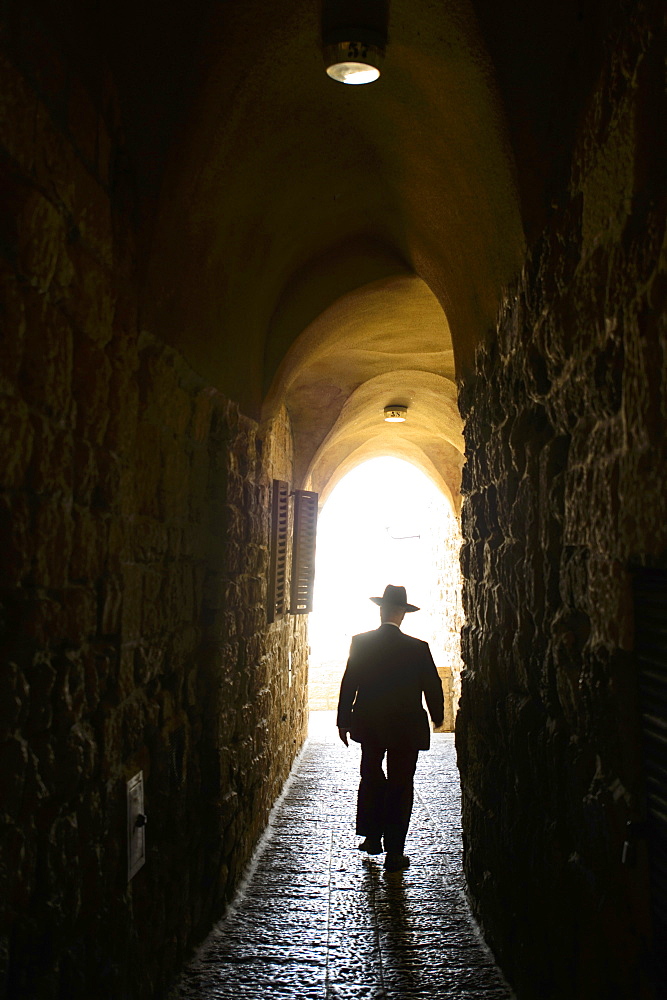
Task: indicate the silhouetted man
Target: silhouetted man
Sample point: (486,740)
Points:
(380,706)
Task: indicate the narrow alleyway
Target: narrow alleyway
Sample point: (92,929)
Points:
(318,920)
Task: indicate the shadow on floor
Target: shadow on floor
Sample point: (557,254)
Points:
(318,920)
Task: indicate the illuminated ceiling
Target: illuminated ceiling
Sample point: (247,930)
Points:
(326,248)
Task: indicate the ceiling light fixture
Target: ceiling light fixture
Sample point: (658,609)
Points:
(354,55)
(395,413)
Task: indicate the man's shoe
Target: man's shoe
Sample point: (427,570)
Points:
(370,846)
(396,863)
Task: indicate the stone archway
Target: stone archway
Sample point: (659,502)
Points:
(384,342)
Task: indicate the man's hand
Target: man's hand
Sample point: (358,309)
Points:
(343,735)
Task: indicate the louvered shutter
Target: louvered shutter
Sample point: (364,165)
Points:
(651,652)
(277,599)
(303,552)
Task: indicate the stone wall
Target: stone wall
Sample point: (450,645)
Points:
(134,524)
(564,482)
(445,619)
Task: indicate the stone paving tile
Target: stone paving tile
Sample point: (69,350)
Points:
(318,920)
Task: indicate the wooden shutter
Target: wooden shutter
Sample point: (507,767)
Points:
(277,598)
(303,552)
(651,652)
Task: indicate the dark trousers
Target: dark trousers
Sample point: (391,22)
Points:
(384,804)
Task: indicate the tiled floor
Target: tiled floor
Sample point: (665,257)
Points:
(319,920)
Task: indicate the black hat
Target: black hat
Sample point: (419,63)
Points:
(396,596)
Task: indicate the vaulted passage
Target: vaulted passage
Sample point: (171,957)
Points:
(218,267)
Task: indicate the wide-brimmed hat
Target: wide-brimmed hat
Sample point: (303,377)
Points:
(395,596)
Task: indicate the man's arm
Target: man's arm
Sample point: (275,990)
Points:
(348,691)
(432,686)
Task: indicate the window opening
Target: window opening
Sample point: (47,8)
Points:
(303,552)
(277,597)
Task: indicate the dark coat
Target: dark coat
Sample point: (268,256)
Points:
(381,691)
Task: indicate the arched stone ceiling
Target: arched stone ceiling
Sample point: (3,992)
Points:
(274,202)
(386,342)
(285,192)
(294,235)
(430,438)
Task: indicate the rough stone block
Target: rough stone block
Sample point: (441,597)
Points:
(99,664)
(146,475)
(131,602)
(90,383)
(175,485)
(17,105)
(42,256)
(91,305)
(52,531)
(41,677)
(13,768)
(110,600)
(51,466)
(123,410)
(12,327)
(89,545)
(14,700)
(84,476)
(79,613)
(15,537)
(46,372)
(108,481)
